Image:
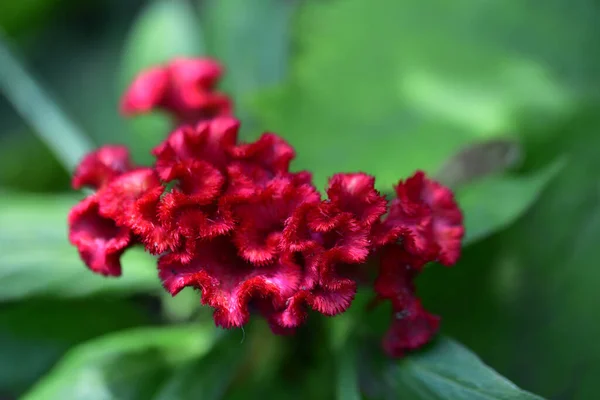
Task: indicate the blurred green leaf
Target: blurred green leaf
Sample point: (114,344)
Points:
(52,125)
(263,26)
(128,365)
(37,259)
(445,370)
(555,248)
(43,175)
(207,377)
(181,307)
(537,281)
(19,17)
(163,30)
(372,87)
(495,202)
(35,334)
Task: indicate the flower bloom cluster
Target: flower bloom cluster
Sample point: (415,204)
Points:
(231,220)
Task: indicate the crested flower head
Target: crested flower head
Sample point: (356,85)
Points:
(231,219)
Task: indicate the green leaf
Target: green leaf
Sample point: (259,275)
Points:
(374,89)
(38,332)
(446,370)
(43,175)
(164,29)
(554,253)
(263,27)
(538,280)
(494,203)
(128,365)
(40,111)
(37,259)
(207,377)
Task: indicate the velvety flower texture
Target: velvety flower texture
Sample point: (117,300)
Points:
(231,220)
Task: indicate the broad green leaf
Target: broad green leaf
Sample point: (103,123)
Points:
(537,281)
(36,333)
(495,202)
(207,377)
(43,175)
(40,111)
(165,29)
(374,89)
(37,259)
(445,370)
(127,365)
(263,27)
(555,249)
(25,16)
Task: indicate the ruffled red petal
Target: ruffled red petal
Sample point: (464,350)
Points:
(412,224)
(193,220)
(210,141)
(228,283)
(269,152)
(185,88)
(101,166)
(99,240)
(411,328)
(259,234)
(117,199)
(356,194)
(342,238)
(147,91)
(397,271)
(447,218)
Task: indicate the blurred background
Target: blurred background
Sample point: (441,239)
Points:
(499,100)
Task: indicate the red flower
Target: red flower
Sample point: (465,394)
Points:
(210,141)
(229,283)
(101,166)
(185,88)
(427,219)
(411,328)
(99,240)
(262,219)
(232,221)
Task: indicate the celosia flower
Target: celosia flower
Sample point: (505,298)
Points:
(100,241)
(184,87)
(231,220)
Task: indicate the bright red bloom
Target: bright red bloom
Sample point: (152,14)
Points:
(425,216)
(185,88)
(228,283)
(424,224)
(101,166)
(447,219)
(411,328)
(99,240)
(232,221)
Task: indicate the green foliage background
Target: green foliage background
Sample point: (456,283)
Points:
(497,99)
